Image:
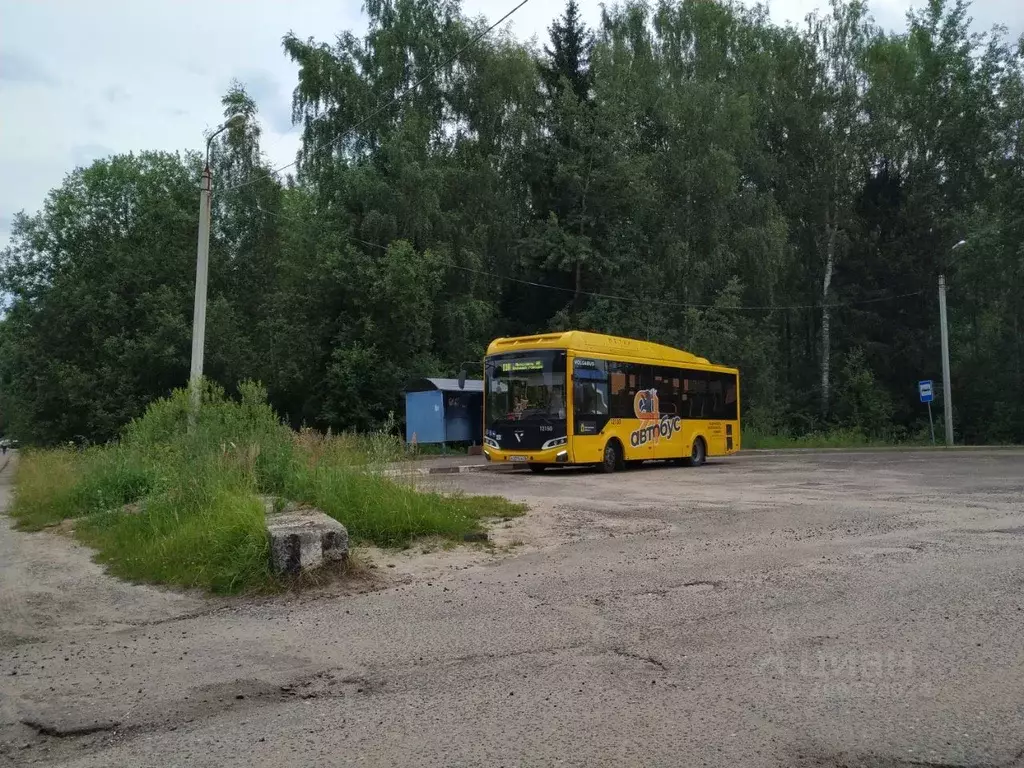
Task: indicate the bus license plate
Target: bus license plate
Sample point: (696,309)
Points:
(517,458)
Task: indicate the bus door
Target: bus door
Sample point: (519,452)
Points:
(590,409)
(670,440)
(635,400)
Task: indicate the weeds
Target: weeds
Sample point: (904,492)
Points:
(47,488)
(176,503)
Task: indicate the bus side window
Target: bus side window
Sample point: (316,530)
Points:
(624,381)
(590,397)
(666,381)
(728,401)
(694,395)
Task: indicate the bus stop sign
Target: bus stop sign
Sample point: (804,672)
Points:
(924,388)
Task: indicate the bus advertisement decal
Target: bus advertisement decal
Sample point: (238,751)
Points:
(645,404)
(653,433)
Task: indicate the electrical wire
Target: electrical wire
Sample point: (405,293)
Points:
(614,297)
(451,59)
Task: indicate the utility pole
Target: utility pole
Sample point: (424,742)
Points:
(947,392)
(947,389)
(202,270)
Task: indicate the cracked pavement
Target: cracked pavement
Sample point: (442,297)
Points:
(798,609)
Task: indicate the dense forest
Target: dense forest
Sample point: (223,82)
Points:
(780,198)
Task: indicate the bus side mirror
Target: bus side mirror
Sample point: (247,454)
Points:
(462,379)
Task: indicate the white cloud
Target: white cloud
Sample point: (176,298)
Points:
(82,79)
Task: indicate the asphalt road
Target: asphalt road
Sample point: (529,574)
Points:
(860,609)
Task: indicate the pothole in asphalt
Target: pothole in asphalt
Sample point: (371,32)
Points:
(906,551)
(701,586)
(1018,531)
(686,587)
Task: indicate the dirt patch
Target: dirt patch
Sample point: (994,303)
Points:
(67,728)
(64,527)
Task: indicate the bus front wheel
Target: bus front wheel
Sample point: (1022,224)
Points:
(612,458)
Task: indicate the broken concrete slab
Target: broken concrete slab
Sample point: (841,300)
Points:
(304,538)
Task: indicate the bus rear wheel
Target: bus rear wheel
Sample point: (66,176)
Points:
(612,457)
(698,453)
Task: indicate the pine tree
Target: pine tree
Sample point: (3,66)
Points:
(568,55)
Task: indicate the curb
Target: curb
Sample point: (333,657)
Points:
(462,468)
(454,470)
(881,449)
(506,467)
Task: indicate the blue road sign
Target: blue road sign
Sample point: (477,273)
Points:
(924,388)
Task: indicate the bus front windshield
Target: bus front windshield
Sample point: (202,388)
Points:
(525,386)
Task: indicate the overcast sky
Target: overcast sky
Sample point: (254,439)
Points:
(82,79)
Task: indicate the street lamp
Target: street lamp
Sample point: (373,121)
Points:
(202,267)
(947,392)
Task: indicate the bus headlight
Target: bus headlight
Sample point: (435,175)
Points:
(490,441)
(554,443)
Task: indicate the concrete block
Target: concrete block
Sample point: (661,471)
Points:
(303,538)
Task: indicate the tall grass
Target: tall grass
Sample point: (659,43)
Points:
(62,483)
(754,438)
(179,503)
(379,510)
(221,547)
(47,488)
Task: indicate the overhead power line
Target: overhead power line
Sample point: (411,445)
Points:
(635,299)
(684,305)
(416,84)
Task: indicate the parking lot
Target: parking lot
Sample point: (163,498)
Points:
(791,609)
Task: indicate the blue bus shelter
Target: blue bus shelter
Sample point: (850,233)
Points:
(438,411)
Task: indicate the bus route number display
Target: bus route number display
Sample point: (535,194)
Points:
(522,365)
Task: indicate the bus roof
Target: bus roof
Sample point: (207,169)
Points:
(598,344)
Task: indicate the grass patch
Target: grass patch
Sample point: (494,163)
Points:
(388,513)
(433,450)
(176,505)
(222,548)
(754,439)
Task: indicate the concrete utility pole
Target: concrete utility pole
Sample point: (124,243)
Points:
(202,269)
(947,390)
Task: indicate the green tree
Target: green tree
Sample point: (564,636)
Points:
(101,281)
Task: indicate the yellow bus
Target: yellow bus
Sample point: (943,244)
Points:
(585,398)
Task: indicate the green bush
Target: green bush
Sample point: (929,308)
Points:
(112,477)
(860,403)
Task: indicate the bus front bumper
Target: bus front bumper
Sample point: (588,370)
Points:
(559,455)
